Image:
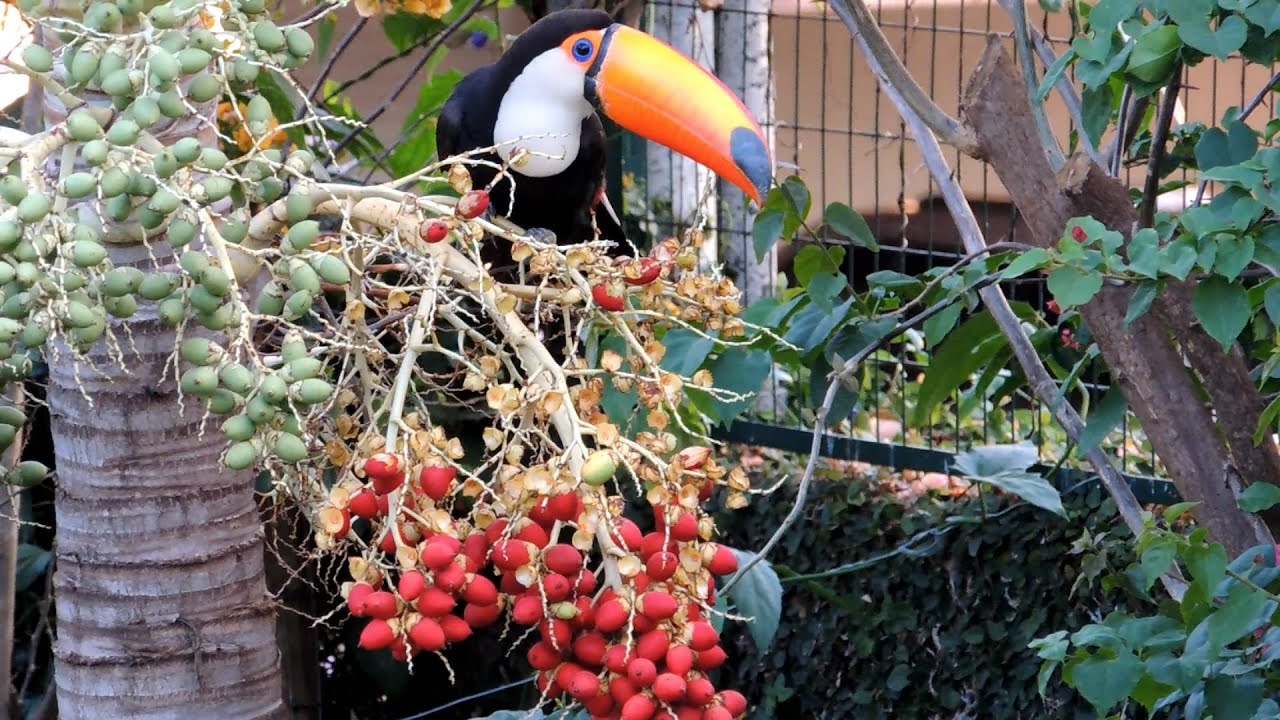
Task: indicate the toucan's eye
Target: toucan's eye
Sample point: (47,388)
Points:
(582,50)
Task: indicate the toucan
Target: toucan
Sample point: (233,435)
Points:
(545,94)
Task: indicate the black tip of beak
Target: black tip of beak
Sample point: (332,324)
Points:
(750,154)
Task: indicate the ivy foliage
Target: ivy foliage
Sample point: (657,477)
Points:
(931,631)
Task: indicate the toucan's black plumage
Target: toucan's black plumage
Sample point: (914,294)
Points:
(562,203)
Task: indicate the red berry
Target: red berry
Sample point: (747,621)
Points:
(600,707)
(711,659)
(734,702)
(451,577)
(627,534)
(542,656)
(455,628)
(657,605)
(702,636)
(494,530)
(679,660)
(669,688)
(363,504)
(558,633)
(621,688)
(381,604)
(700,691)
(586,617)
(589,648)
(616,658)
(433,230)
(440,551)
(382,465)
(642,624)
(716,713)
(527,609)
(411,585)
(534,533)
(1078,234)
(476,547)
(688,712)
(606,299)
(685,528)
(611,615)
(641,271)
(565,674)
(473,204)
(642,672)
(398,652)
(723,561)
(376,635)
(652,645)
(584,685)
(436,481)
(639,707)
(510,554)
(481,616)
(556,587)
(563,559)
(511,585)
(662,566)
(654,543)
(480,591)
(358,597)
(434,602)
(565,506)
(427,635)
(586,583)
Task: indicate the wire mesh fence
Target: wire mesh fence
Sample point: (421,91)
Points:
(832,126)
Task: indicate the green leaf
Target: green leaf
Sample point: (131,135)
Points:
(1140,301)
(937,327)
(1259,496)
(766,230)
(1097,104)
(996,459)
(849,223)
(1230,35)
(971,345)
(1033,259)
(1234,255)
(895,281)
(1071,286)
(1054,73)
(1144,253)
(1102,419)
(758,595)
(1229,696)
(1156,560)
(824,287)
(1154,54)
(820,382)
(405,30)
(1175,511)
(1105,682)
(1235,617)
(1267,421)
(1266,15)
(737,370)
(33,561)
(324,34)
(814,259)
(1178,258)
(1222,307)
(1216,148)
(794,189)
(686,350)
(1030,487)
(810,326)
(1207,563)
(1271,302)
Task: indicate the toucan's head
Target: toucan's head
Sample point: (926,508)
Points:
(573,62)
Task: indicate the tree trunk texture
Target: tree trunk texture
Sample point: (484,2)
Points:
(671,179)
(1206,446)
(162,605)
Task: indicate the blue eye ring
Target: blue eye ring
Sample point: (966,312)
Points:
(582,50)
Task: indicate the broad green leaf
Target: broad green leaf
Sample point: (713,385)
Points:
(1030,487)
(1232,147)
(1178,258)
(1055,73)
(1267,421)
(968,347)
(895,281)
(1271,302)
(1234,255)
(737,370)
(1220,42)
(1175,511)
(1222,307)
(824,287)
(820,382)
(1155,561)
(1103,418)
(766,230)
(1105,682)
(1207,563)
(1259,496)
(1236,616)
(405,30)
(1033,259)
(996,459)
(1071,286)
(810,326)
(1154,54)
(849,223)
(686,350)
(758,596)
(937,327)
(1229,696)
(324,34)
(1097,104)
(1266,15)
(814,259)
(794,189)
(1144,253)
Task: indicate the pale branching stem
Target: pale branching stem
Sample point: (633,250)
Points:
(1026,59)
(1041,381)
(889,69)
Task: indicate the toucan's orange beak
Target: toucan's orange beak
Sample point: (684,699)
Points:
(651,89)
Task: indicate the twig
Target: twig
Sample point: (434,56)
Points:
(890,70)
(1122,123)
(1026,60)
(1164,120)
(333,59)
(1041,382)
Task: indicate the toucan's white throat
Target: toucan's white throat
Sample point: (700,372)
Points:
(542,112)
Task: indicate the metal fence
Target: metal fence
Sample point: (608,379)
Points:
(833,127)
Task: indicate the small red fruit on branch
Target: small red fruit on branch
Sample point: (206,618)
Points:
(436,481)
(433,230)
(608,296)
(641,271)
(472,204)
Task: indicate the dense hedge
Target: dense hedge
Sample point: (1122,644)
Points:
(921,637)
